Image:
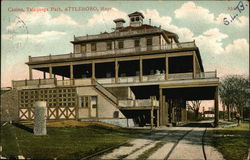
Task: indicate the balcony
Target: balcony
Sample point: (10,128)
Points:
(114,52)
(38,83)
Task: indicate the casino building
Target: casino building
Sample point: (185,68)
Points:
(135,75)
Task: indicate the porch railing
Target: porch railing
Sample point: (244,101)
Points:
(131,79)
(138,103)
(114,51)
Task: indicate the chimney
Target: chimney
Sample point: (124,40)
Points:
(119,23)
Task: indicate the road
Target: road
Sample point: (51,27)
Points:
(168,143)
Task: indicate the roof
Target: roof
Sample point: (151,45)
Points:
(143,27)
(136,14)
(146,26)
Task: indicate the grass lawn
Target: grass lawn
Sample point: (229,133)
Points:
(226,123)
(233,143)
(69,142)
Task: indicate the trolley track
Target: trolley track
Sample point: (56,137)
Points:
(107,150)
(154,138)
(182,137)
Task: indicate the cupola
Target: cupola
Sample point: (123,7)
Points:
(136,19)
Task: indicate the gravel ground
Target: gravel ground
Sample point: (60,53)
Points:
(190,147)
(126,150)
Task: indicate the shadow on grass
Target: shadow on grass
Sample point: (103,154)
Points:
(23,127)
(200,125)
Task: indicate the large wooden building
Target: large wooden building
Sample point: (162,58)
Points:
(138,72)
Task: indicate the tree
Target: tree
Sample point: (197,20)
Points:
(233,93)
(195,106)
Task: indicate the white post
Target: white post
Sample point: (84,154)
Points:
(40,118)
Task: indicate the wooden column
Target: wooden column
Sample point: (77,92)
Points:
(116,70)
(166,63)
(216,107)
(158,117)
(166,112)
(93,70)
(71,72)
(152,117)
(160,105)
(30,73)
(50,71)
(44,75)
(194,66)
(163,112)
(141,70)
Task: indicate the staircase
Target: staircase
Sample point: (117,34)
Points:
(105,92)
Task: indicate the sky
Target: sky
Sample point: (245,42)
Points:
(46,27)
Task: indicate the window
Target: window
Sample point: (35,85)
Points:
(83,102)
(109,45)
(88,101)
(93,46)
(120,44)
(132,19)
(137,43)
(83,48)
(137,18)
(93,101)
(149,42)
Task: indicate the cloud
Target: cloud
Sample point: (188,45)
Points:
(184,34)
(211,41)
(229,59)
(239,46)
(191,10)
(41,18)
(106,17)
(36,38)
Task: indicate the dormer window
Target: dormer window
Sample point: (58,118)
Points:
(137,42)
(83,48)
(109,45)
(120,44)
(93,46)
(149,42)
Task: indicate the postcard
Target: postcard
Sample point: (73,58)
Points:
(124,79)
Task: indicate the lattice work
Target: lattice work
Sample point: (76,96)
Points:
(62,113)
(61,102)
(52,113)
(24,114)
(32,113)
(71,113)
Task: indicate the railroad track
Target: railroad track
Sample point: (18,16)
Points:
(182,137)
(156,138)
(95,155)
